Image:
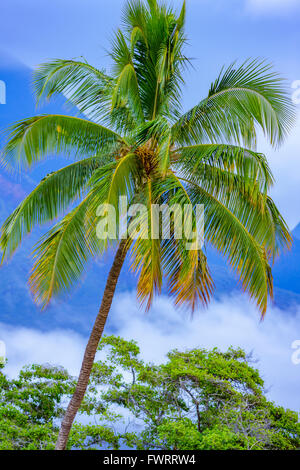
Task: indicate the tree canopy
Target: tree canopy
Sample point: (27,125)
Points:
(196,400)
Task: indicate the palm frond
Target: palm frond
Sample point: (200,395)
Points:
(63,252)
(156,42)
(126,87)
(33,139)
(83,85)
(281,233)
(228,235)
(192,290)
(241,97)
(186,269)
(239,179)
(124,176)
(49,199)
(146,251)
(185,263)
(251,166)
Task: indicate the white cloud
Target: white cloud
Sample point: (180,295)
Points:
(27,346)
(285,165)
(271,6)
(232,321)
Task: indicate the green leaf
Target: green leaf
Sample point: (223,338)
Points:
(33,139)
(84,86)
(63,252)
(229,236)
(49,199)
(239,99)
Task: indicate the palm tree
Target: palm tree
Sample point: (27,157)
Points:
(133,140)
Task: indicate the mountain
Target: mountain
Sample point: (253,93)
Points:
(287,268)
(16,305)
(296,232)
(78,310)
(19,105)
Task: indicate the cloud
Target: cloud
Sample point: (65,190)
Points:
(272,6)
(26,346)
(285,165)
(231,321)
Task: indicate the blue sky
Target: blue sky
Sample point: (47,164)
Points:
(219,32)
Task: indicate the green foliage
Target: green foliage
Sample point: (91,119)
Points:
(29,405)
(196,400)
(241,98)
(50,198)
(32,405)
(34,138)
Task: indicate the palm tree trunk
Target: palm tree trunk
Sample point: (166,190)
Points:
(91,348)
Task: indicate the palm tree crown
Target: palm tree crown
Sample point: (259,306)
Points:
(134,139)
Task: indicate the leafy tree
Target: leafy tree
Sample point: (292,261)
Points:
(196,400)
(199,399)
(32,405)
(134,140)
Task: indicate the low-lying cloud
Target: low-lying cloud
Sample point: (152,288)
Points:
(231,321)
(26,346)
